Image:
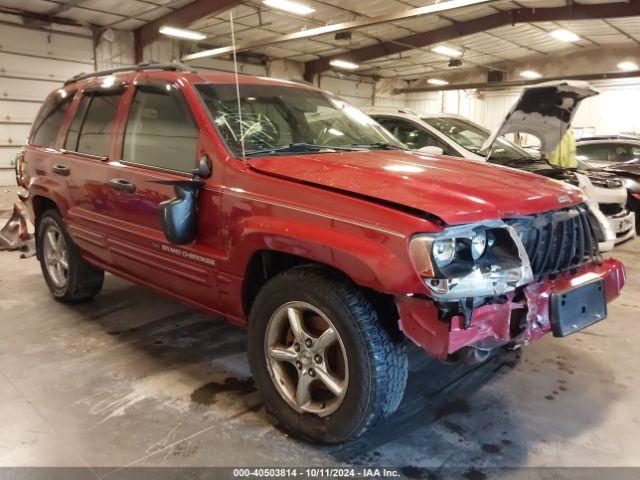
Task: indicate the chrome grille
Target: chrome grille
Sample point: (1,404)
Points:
(558,240)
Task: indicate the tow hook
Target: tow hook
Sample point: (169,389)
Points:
(467,305)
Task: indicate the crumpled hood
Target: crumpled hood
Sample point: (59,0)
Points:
(455,190)
(545,111)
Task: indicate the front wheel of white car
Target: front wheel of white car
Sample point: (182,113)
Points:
(326,368)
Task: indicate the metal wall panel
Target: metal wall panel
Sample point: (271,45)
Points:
(32,64)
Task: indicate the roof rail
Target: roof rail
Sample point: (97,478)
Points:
(133,68)
(621,136)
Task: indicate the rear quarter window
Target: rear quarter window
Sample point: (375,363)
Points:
(49,120)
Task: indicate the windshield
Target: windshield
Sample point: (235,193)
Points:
(276,117)
(471,136)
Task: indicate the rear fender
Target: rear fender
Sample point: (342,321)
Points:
(43,187)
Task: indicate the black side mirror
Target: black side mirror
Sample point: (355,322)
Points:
(179,216)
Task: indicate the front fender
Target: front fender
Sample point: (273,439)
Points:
(372,259)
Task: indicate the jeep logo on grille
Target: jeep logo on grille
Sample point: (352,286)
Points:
(564,199)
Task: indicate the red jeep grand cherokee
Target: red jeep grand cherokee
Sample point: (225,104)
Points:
(301,218)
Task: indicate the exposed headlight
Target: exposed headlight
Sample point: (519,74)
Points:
(471,260)
(478,244)
(443,251)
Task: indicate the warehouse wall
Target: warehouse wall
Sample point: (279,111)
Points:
(614,110)
(32,63)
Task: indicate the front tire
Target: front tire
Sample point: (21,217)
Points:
(69,277)
(324,365)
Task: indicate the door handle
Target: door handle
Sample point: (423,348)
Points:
(61,170)
(122,185)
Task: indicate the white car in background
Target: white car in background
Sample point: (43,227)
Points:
(602,151)
(457,136)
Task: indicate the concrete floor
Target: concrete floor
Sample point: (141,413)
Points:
(135,379)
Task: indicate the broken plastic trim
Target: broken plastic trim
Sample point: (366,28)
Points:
(15,233)
(495,279)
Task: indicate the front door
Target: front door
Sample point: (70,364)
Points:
(159,142)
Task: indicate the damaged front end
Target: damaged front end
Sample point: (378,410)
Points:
(15,234)
(497,289)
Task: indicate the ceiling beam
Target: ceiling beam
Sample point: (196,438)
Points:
(63,7)
(517,83)
(631,8)
(180,17)
(40,18)
(338,27)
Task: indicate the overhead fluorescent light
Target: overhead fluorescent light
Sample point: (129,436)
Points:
(448,51)
(530,74)
(564,35)
(437,81)
(181,33)
(343,64)
(628,66)
(289,6)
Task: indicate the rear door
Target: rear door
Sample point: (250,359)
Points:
(159,140)
(83,162)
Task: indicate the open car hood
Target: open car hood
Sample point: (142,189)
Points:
(545,111)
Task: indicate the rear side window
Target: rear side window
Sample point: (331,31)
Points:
(92,127)
(49,119)
(160,131)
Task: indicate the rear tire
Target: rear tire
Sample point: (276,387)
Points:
(69,277)
(367,371)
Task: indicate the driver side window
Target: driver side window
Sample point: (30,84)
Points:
(160,131)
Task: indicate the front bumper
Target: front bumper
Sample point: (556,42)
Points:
(519,319)
(623,225)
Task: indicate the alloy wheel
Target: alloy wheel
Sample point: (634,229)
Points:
(56,255)
(306,358)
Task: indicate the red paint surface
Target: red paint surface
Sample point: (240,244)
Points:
(284,204)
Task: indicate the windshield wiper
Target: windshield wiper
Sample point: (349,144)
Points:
(507,161)
(380,145)
(295,148)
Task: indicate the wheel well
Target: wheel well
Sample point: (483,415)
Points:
(41,205)
(266,264)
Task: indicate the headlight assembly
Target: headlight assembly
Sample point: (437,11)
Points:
(471,260)
(443,251)
(478,244)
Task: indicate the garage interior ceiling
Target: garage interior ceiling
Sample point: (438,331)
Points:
(255,22)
